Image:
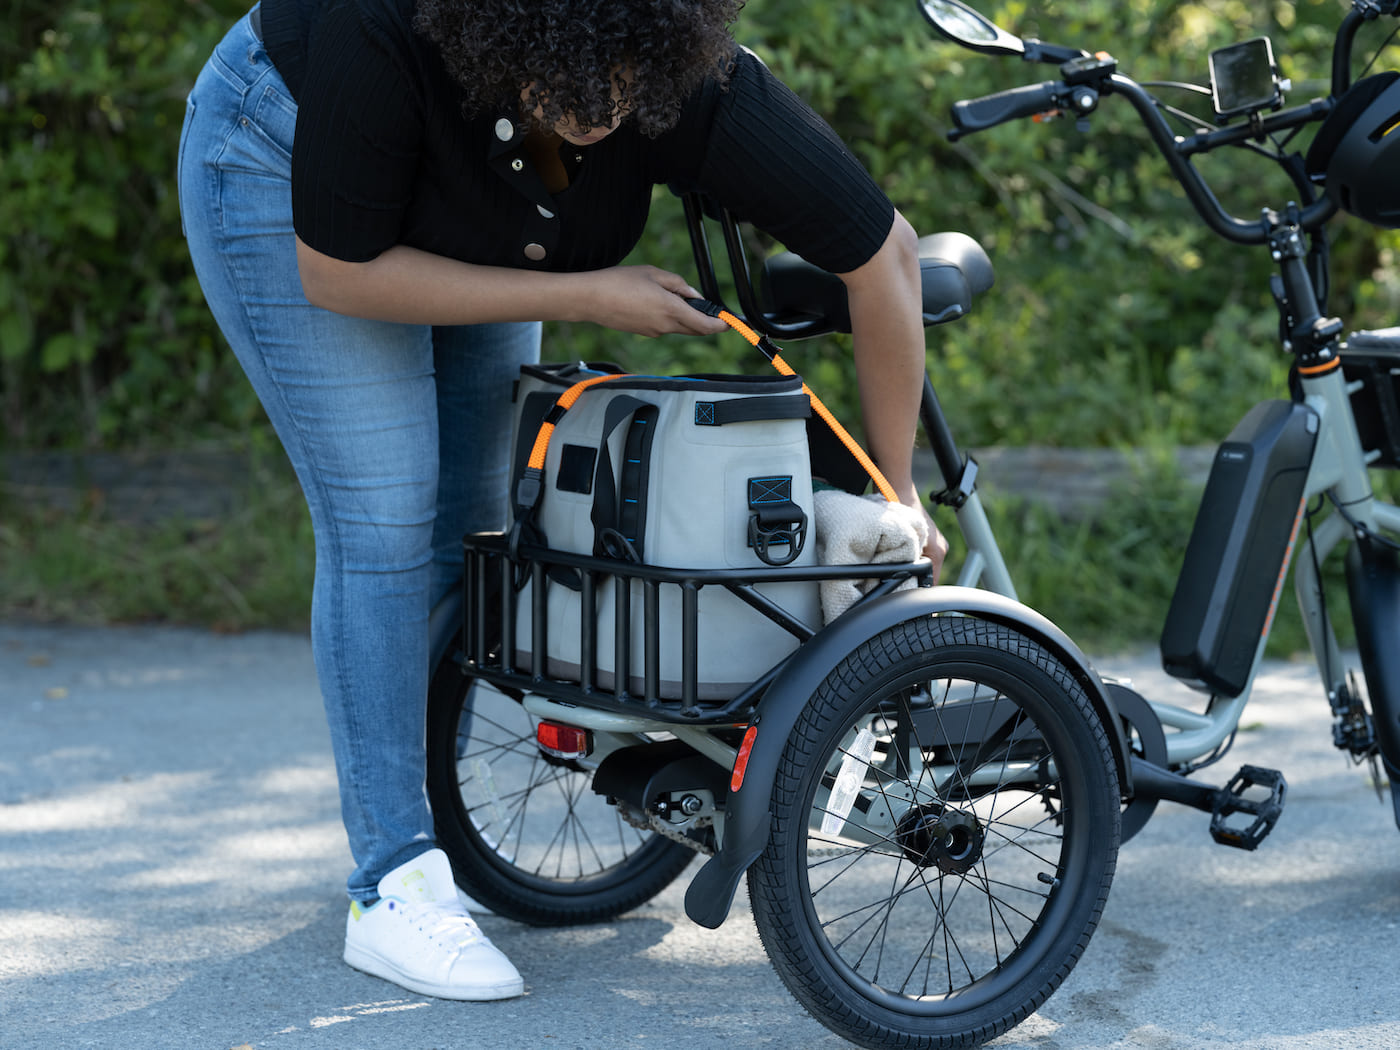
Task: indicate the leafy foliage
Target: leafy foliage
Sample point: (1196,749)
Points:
(104,336)
(1117,318)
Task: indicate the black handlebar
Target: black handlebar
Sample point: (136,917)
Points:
(1082,83)
(1178,153)
(1362,11)
(979,114)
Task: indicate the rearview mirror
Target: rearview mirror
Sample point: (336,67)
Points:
(962,25)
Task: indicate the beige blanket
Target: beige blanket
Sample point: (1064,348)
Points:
(862,530)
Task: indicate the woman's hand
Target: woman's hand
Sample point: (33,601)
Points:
(647,301)
(936,549)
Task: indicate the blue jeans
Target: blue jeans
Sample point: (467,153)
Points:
(399,435)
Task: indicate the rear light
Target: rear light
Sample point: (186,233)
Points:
(561,741)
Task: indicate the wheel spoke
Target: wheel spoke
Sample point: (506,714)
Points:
(866,942)
(945,886)
(526,834)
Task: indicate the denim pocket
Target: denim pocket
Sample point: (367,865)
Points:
(261,142)
(275,115)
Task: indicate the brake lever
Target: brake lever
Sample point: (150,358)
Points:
(1054,54)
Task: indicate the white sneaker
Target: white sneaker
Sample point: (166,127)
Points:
(471,904)
(419,936)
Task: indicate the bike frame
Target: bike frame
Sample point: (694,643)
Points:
(1339,468)
(931,730)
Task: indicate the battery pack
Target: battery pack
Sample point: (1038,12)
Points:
(1235,560)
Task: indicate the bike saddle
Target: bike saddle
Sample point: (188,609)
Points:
(954,267)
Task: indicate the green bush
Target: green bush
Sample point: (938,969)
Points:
(104,336)
(250,568)
(1117,318)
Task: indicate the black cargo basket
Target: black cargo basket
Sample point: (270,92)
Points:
(492,580)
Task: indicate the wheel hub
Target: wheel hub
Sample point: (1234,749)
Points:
(948,839)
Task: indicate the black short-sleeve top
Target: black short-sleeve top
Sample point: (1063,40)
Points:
(383,155)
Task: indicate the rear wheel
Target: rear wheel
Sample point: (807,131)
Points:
(527,836)
(945,830)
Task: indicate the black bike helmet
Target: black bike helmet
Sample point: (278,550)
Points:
(1357,151)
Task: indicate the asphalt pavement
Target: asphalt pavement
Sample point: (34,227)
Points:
(172,868)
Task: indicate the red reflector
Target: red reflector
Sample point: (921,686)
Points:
(741,763)
(563,741)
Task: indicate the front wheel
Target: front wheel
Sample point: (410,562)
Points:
(945,829)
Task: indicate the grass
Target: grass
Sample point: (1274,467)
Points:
(251,569)
(1106,579)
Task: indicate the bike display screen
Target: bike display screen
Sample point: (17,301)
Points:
(1243,79)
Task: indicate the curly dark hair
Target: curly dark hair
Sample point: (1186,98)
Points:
(563,54)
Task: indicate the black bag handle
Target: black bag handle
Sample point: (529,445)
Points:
(755,409)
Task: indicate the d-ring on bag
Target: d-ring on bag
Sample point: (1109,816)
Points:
(697,472)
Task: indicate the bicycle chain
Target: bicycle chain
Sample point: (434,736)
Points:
(651,822)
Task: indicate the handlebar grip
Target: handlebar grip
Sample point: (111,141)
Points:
(979,114)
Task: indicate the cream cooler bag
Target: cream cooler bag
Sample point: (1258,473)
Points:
(702,472)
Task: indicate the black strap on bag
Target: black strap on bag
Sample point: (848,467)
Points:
(619,507)
(529,485)
(634,480)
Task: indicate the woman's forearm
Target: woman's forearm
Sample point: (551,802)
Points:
(416,287)
(886,321)
(886,301)
(412,286)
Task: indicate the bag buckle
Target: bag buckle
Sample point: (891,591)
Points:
(776,521)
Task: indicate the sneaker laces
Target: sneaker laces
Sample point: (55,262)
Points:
(444,924)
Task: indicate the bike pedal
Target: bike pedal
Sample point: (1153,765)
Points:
(1265,811)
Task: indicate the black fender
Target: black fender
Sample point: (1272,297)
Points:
(746,811)
(1373,584)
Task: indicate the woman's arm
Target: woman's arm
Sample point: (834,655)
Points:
(886,300)
(416,287)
